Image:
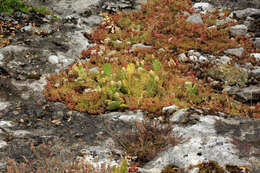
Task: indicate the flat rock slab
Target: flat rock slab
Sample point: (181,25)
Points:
(207,136)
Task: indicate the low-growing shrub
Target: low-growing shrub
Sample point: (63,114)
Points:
(148,139)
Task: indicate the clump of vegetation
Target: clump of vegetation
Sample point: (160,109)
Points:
(147,140)
(172,169)
(123,168)
(10,6)
(230,75)
(130,80)
(214,167)
(209,167)
(236,169)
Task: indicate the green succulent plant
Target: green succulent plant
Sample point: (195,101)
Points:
(123,167)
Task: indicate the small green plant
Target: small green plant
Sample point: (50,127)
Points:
(123,167)
(80,71)
(9,6)
(192,88)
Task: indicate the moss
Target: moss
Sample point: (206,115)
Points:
(230,75)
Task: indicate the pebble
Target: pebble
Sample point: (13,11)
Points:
(2,144)
(4,105)
(236,51)
(195,18)
(53,59)
(224,59)
(182,57)
(238,30)
(203,7)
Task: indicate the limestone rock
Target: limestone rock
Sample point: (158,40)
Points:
(247,94)
(203,7)
(236,51)
(246,12)
(209,136)
(195,18)
(238,30)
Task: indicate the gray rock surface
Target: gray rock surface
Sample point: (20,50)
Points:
(203,7)
(248,94)
(238,30)
(236,51)
(140,46)
(209,136)
(246,12)
(195,18)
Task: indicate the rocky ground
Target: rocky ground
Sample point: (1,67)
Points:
(34,46)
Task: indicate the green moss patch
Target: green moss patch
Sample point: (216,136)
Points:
(231,75)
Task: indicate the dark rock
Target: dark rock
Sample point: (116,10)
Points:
(248,94)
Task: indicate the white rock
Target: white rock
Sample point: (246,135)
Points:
(195,18)
(27,28)
(182,57)
(53,59)
(5,124)
(4,105)
(211,57)
(66,62)
(256,72)
(221,14)
(131,118)
(224,59)
(94,20)
(192,52)
(238,30)
(98,155)
(256,55)
(236,51)
(203,59)
(193,58)
(128,117)
(170,109)
(246,12)
(12,48)
(21,133)
(2,144)
(202,143)
(203,7)
(140,46)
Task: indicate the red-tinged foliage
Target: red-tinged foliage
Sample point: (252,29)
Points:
(161,25)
